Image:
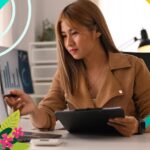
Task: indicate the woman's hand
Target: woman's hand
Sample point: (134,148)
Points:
(23,102)
(126,126)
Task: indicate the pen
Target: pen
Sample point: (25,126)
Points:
(10,95)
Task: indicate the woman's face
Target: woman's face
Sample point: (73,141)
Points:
(79,41)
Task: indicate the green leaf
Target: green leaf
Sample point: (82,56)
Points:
(14,141)
(7,131)
(20,146)
(12,121)
(1,147)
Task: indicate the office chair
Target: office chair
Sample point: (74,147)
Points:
(145,56)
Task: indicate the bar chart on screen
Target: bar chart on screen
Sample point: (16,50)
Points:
(10,72)
(11,79)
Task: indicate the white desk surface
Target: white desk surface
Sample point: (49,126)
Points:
(94,142)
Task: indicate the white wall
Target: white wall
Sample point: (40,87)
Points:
(125,19)
(20,21)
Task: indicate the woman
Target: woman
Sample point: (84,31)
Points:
(91,73)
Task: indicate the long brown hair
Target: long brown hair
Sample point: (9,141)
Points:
(89,15)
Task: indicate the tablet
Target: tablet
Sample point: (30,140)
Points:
(89,120)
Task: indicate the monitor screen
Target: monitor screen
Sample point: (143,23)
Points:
(3,108)
(15,71)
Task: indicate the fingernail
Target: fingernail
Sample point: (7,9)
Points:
(108,123)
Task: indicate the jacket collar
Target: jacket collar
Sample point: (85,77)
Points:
(118,61)
(111,88)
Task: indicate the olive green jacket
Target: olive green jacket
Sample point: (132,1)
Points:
(126,84)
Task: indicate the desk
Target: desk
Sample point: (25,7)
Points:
(95,142)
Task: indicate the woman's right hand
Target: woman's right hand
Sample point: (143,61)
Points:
(23,102)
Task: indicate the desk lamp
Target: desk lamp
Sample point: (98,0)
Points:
(144,45)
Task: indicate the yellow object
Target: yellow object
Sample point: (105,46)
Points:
(145,48)
(148,1)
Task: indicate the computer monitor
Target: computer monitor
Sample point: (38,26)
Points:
(15,71)
(3,108)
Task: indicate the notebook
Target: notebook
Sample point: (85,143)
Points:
(89,120)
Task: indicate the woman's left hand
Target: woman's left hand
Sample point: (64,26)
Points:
(126,126)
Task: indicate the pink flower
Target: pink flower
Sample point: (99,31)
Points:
(6,141)
(17,132)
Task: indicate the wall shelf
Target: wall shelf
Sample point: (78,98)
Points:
(43,62)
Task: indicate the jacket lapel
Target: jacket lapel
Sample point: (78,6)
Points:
(111,88)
